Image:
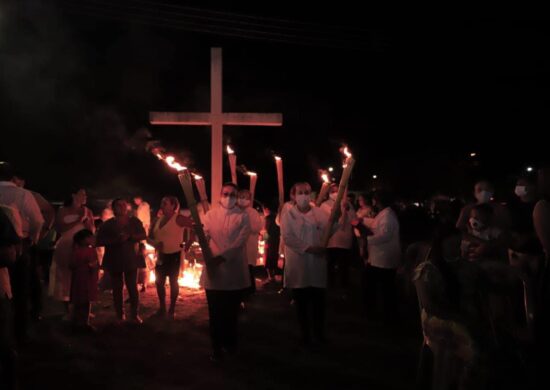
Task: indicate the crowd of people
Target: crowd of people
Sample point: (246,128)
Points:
(479,271)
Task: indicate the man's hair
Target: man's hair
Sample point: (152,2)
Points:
(230,184)
(6,171)
(302,183)
(117,200)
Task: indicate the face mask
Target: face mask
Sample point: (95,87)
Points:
(333,195)
(302,200)
(228,202)
(484,196)
(244,202)
(520,191)
(476,224)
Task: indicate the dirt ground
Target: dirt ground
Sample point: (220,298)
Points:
(174,354)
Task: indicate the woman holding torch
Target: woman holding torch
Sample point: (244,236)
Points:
(302,228)
(167,237)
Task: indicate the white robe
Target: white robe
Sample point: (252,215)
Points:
(228,231)
(300,231)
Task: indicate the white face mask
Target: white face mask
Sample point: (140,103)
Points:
(333,195)
(476,224)
(302,200)
(484,196)
(228,202)
(244,202)
(520,191)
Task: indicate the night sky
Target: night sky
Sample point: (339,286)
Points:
(411,96)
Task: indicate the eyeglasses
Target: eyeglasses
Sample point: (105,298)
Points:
(229,194)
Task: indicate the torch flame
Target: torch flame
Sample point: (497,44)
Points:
(229,150)
(325,178)
(172,163)
(249,173)
(346,152)
(277,158)
(197,177)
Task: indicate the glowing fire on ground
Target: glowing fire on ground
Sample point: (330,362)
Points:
(190,272)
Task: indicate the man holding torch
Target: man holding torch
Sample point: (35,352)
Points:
(227,276)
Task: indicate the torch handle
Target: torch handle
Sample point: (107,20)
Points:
(350,162)
(185,181)
(322,194)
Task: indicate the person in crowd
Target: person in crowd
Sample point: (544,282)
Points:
(71,218)
(256,225)
(84,276)
(167,237)
(121,236)
(31,227)
(226,275)
(305,272)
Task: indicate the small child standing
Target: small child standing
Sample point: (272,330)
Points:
(84,265)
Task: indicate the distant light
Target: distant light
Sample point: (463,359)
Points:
(473,154)
(374,176)
(529,169)
(416,204)
(330,169)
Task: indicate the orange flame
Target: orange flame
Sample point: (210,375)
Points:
(346,152)
(251,173)
(172,163)
(277,158)
(229,150)
(197,177)
(325,178)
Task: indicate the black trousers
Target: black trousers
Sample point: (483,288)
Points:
(20,288)
(223,310)
(168,267)
(7,348)
(379,287)
(81,313)
(338,266)
(252,289)
(35,283)
(311,307)
(118,279)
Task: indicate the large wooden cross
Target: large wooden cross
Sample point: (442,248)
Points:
(217,119)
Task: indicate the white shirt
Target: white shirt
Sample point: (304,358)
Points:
(25,203)
(143,213)
(300,231)
(228,230)
(384,246)
(343,236)
(256,225)
(170,234)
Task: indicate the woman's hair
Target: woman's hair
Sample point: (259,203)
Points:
(173,200)
(82,235)
(68,202)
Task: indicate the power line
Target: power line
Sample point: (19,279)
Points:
(163,20)
(255,17)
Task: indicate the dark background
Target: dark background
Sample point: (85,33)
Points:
(411,95)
